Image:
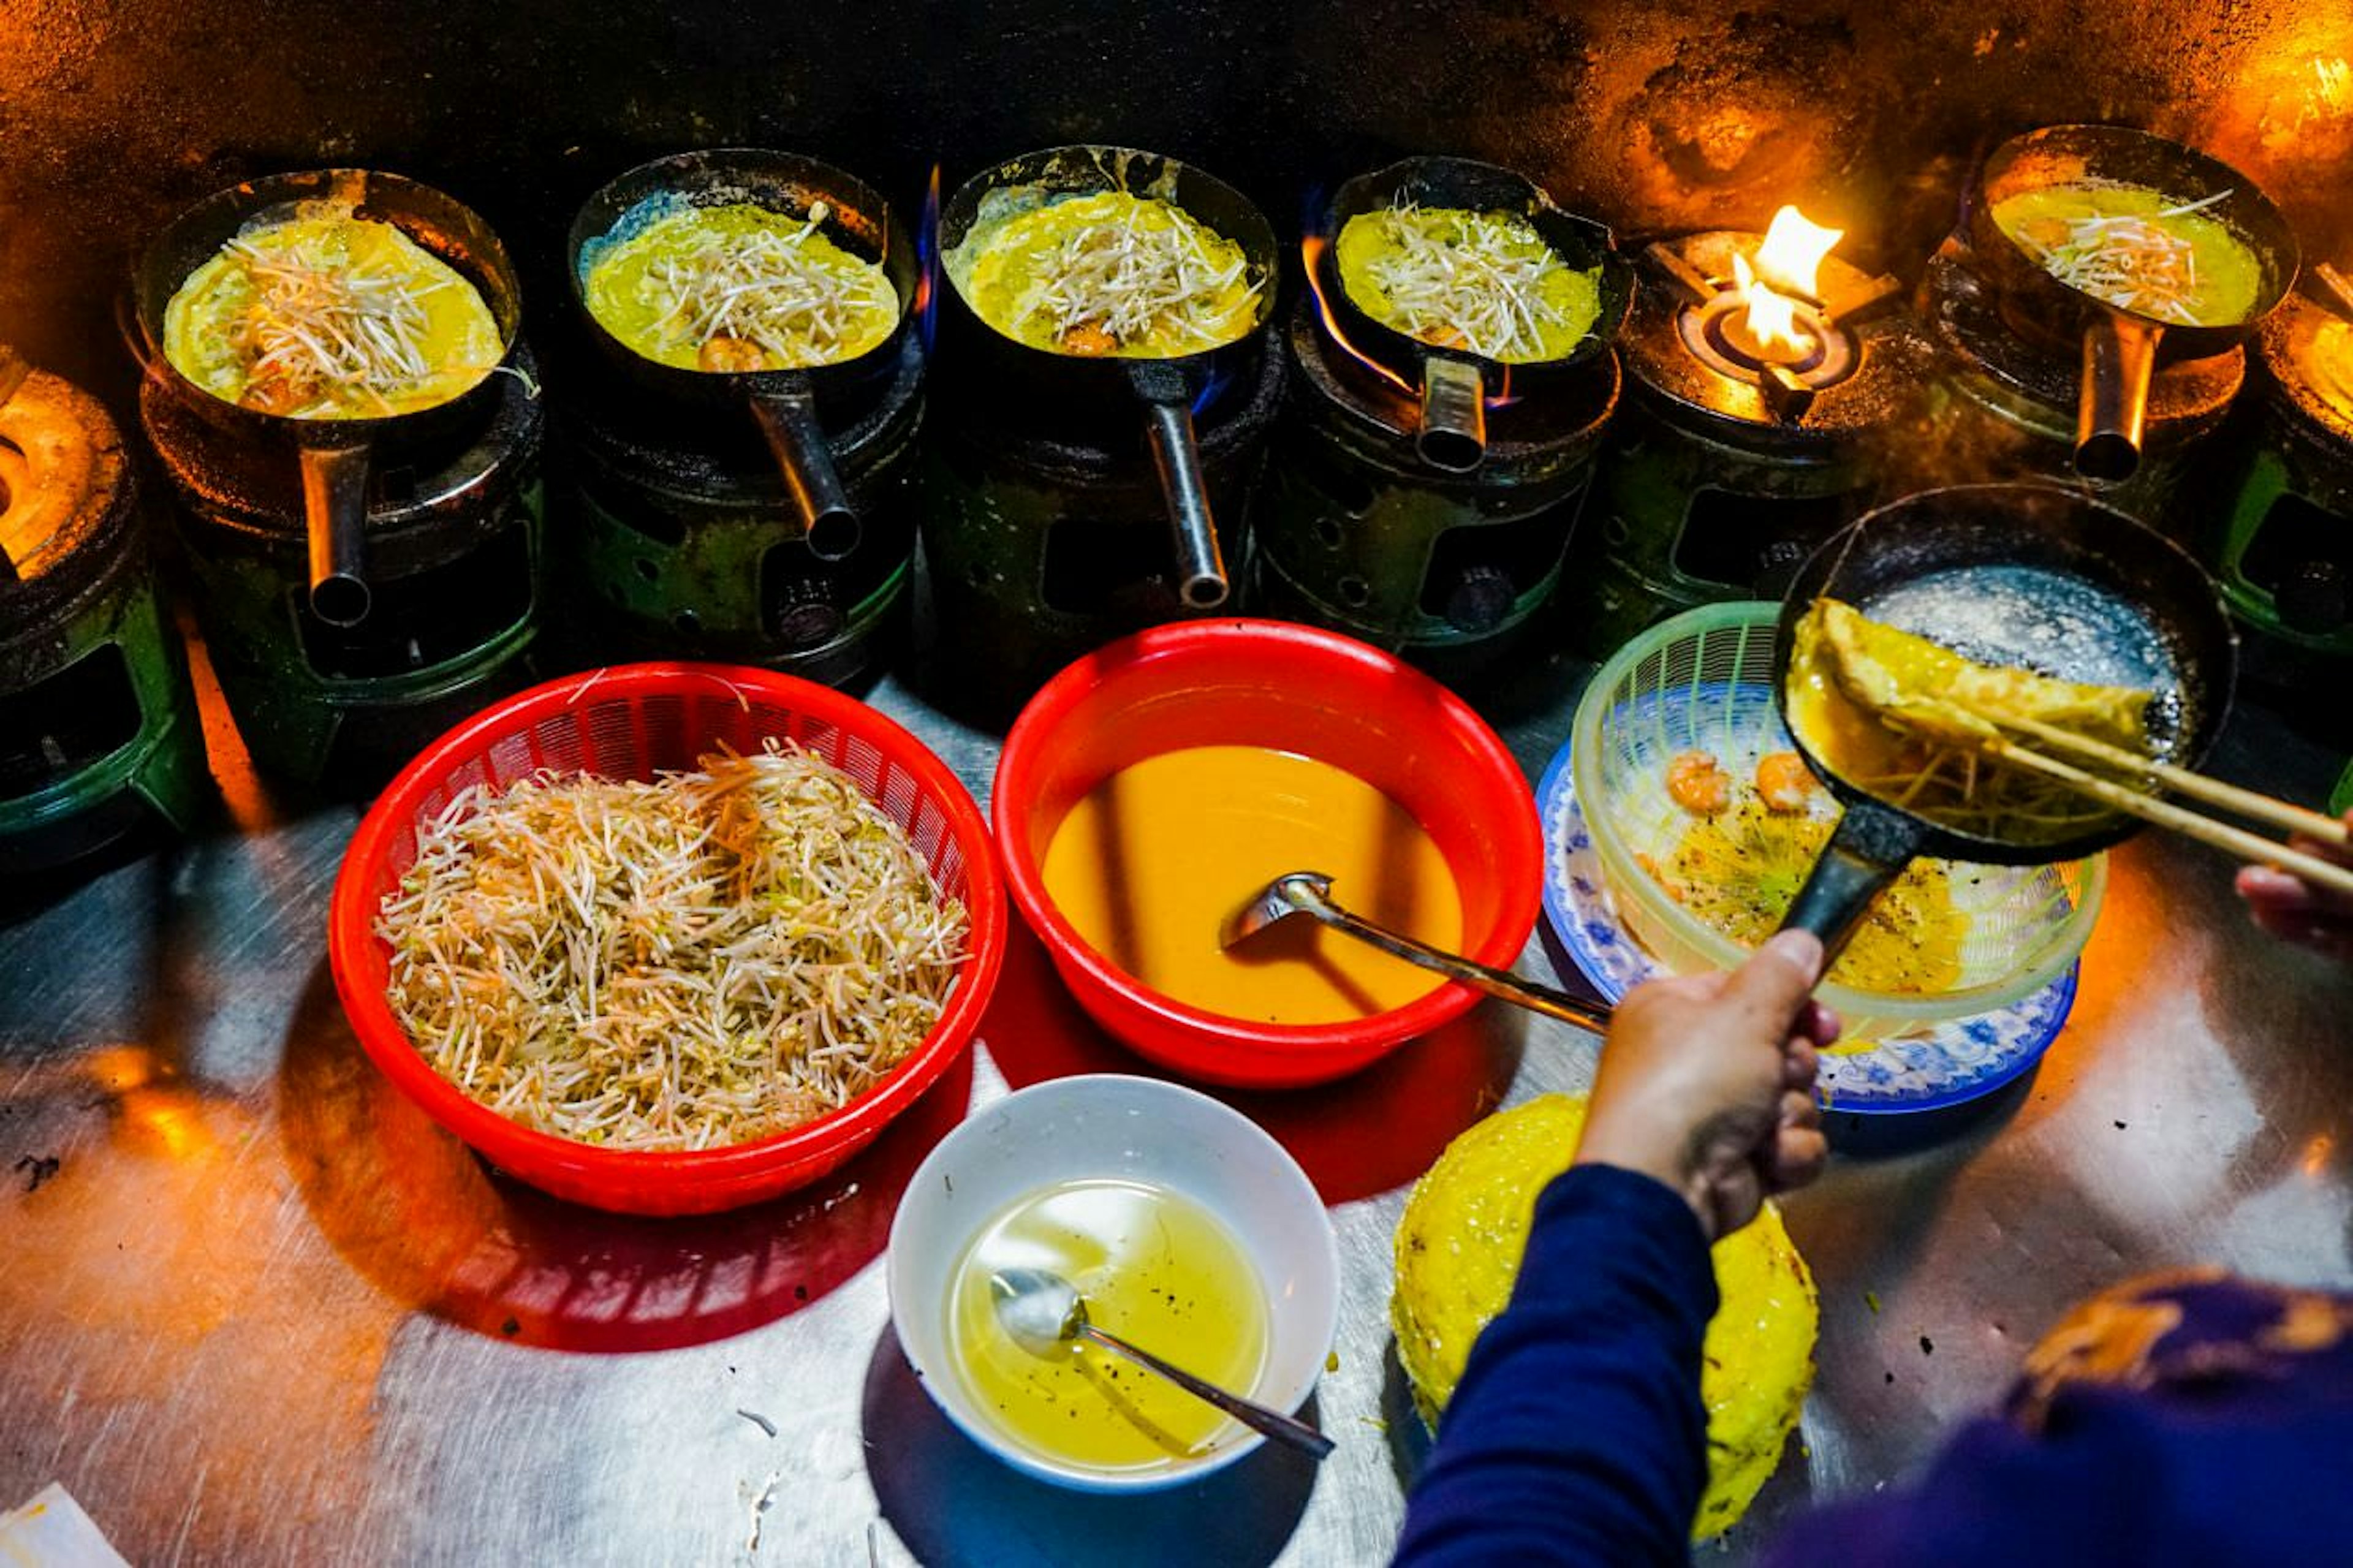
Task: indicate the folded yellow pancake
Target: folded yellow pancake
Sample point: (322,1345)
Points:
(1908,721)
(1457,1252)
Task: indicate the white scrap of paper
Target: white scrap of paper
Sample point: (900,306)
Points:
(50,1530)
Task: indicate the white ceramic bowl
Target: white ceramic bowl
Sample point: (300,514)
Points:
(1111,1127)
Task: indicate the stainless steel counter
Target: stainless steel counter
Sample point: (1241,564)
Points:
(259,1310)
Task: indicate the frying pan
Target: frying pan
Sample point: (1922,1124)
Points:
(2122,348)
(334,455)
(1166,388)
(2017,574)
(791,406)
(1455,384)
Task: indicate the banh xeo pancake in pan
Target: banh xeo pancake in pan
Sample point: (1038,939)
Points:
(325,315)
(1105,274)
(736,288)
(2134,247)
(1484,284)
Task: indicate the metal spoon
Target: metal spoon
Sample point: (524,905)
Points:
(1040,1310)
(1310,893)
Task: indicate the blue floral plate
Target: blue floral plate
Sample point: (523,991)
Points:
(1941,1065)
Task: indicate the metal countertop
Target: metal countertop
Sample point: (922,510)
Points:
(261,1310)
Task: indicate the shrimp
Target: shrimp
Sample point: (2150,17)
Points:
(1698,784)
(1784,782)
(731,356)
(1087,338)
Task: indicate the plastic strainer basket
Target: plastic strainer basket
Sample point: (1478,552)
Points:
(1702,682)
(633,722)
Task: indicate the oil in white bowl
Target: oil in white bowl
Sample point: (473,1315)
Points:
(1153,1268)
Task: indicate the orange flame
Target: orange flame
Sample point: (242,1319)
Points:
(1310,251)
(1787,266)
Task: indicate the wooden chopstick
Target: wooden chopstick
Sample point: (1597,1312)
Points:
(2243,803)
(2165,814)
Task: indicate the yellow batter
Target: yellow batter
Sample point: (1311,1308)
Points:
(1151,862)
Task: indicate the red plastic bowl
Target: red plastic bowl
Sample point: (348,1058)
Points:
(1293,688)
(633,722)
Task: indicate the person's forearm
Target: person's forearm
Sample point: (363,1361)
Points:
(1576,1433)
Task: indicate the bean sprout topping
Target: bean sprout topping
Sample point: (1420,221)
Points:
(701,960)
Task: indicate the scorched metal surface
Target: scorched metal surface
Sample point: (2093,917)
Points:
(256,1308)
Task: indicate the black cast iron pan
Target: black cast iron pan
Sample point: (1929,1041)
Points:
(1164,390)
(2121,348)
(791,406)
(1455,384)
(2023,576)
(334,455)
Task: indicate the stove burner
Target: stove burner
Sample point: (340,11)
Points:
(1717,331)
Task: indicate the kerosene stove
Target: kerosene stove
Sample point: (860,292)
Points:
(1741,448)
(676,526)
(2014,389)
(453,536)
(2280,537)
(1040,547)
(98,734)
(1357,531)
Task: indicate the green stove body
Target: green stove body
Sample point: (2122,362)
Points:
(1728,466)
(1038,548)
(678,540)
(455,549)
(2010,390)
(1355,532)
(100,737)
(2280,538)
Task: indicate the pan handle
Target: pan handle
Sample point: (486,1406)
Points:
(2119,359)
(1453,416)
(788,420)
(1200,568)
(1869,850)
(334,520)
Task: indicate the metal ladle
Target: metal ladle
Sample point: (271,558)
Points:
(1041,1310)
(1310,893)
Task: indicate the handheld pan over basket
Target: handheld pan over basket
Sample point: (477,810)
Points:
(2019,576)
(790,406)
(1165,389)
(2122,346)
(1456,384)
(334,455)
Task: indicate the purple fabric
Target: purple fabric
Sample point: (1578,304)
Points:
(2185,1420)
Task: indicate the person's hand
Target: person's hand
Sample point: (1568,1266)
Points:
(1707,1083)
(2287,906)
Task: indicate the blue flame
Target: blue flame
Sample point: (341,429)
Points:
(927,265)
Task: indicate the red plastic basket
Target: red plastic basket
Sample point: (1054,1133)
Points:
(634,722)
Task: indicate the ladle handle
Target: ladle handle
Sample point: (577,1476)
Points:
(2112,410)
(1453,434)
(1200,568)
(1584,1014)
(788,420)
(1869,850)
(1257,1418)
(334,521)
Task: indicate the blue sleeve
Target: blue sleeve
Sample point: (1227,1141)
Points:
(1577,1434)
